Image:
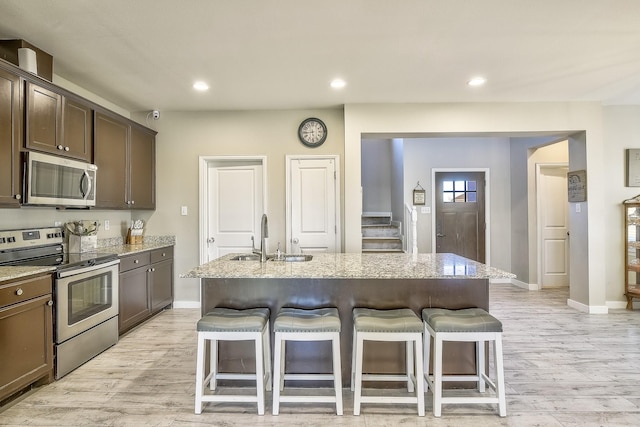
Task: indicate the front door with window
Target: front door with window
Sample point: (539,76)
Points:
(460,214)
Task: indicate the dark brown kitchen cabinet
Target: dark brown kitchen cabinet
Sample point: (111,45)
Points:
(10,139)
(133,291)
(161,278)
(125,155)
(146,286)
(26,328)
(58,124)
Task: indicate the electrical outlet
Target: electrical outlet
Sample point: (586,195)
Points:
(578,208)
(183,211)
(107,225)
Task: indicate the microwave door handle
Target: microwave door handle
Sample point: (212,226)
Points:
(85,178)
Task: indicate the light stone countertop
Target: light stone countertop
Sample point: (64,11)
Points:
(9,273)
(353,266)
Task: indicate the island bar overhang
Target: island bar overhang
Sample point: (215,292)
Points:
(345,294)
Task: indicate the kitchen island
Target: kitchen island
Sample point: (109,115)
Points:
(345,281)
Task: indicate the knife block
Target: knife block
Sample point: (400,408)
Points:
(134,236)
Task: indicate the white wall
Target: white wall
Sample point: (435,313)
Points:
(377,161)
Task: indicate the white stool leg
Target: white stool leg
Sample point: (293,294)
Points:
(419,375)
(278,367)
(409,364)
(260,373)
(437,376)
(427,352)
(200,373)
(353,360)
(499,362)
(213,364)
(480,365)
(266,346)
(337,372)
(358,373)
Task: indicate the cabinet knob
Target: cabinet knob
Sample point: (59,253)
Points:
(164,254)
(66,148)
(19,291)
(136,261)
(133,202)
(60,147)
(18,196)
(50,303)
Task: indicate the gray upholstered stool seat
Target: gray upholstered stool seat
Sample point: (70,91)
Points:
(228,319)
(226,324)
(388,325)
(295,324)
(466,320)
(467,325)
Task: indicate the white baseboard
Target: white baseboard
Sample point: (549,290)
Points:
(591,309)
(524,285)
(621,304)
(186,304)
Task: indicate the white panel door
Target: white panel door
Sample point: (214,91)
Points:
(554,226)
(235,208)
(313,206)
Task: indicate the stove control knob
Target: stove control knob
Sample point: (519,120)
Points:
(11,239)
(2,239)
(19,291)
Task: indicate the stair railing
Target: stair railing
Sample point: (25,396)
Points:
(410,229)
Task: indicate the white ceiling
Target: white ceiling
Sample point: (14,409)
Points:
(282,54)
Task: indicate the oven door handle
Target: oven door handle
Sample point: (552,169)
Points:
(74,271)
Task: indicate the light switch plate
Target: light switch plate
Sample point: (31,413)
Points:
(425,210)
(107,225)
(183,211)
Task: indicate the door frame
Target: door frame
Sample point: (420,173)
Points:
(336,161)
(203,208)
(539,166)
(487,207)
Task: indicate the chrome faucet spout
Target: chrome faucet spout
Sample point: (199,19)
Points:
(264,233)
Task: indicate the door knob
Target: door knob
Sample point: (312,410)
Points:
(440,235)
(211,239)
(295,241)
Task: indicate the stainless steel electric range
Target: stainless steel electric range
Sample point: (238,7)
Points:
(85,292)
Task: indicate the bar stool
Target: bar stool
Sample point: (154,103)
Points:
(388,325)
(293,324)
(468,325)
(226,324)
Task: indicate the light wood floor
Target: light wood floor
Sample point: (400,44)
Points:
(563,368)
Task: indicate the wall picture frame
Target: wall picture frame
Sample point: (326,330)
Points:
(577,186)
(632,157)
(419,195)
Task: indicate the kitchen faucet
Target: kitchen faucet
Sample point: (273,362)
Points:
(264,233)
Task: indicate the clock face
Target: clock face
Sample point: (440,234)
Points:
(312,132)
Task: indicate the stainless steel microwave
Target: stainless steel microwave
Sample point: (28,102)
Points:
(57,181)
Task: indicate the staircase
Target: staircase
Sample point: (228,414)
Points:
(380,234)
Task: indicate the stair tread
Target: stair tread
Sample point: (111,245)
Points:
(382,250)
(381,238)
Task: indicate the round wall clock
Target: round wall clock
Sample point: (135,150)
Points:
(312,132)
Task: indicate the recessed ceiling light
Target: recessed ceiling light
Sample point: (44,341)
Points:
(338,83)
(201,86)
(477,81)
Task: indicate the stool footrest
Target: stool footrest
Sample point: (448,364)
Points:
(387,377)
(388,399)
(228,398)
(307,399)
(309,377)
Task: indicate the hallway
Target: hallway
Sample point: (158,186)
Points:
(563,368)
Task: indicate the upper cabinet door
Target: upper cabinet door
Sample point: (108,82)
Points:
(10,137)
(77,129)
(110,155)
(44,120)
(58,125)
(142,169)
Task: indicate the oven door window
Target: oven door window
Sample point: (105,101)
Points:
(89,296)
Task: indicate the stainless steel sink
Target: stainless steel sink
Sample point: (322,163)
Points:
(293,258)
(248,257)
